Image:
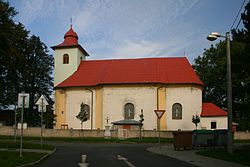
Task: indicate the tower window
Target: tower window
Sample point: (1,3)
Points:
(65,59)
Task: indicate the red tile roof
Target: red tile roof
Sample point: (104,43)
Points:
(209,110)
(133,71)
(70,40)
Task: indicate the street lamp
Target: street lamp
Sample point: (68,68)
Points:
(211,37)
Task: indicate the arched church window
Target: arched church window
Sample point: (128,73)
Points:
(65,59)
(129,111)
(177,111)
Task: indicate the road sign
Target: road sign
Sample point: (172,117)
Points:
(42,102)
(26,101)
(159,113)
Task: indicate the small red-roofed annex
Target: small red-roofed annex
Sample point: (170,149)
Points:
(213,117)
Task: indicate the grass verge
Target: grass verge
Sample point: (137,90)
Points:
(240,155)
(12,159)
(95,139)
(26,145)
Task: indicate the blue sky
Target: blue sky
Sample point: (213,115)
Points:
(110,29)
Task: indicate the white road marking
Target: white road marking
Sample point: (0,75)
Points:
(83,164)
(121,158)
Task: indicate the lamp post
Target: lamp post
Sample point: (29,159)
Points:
(211,37)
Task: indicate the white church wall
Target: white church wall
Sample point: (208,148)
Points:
(63,71)
(114,99)
(74,98)
(221,122)
(191,100)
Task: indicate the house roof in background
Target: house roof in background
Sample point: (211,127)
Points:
(210,110)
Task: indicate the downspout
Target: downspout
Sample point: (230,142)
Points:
(157,96)
(91,115)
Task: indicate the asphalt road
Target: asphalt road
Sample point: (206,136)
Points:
(108,155)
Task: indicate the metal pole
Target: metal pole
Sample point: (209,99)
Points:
(91,116)
(21,140)
(229,96)
(159,130)
(41,142)
(92,109)
(15,126)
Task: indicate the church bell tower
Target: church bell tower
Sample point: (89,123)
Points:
(67,56)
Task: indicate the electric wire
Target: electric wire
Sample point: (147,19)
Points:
(238,16)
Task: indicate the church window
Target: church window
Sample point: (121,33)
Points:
(65,59)
(177,111)
(129,111)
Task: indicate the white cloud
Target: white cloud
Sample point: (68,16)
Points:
(116,29)
(136,49)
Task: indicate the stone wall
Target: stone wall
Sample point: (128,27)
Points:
(36,132)
(242,135)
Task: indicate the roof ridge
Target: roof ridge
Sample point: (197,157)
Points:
(144,58)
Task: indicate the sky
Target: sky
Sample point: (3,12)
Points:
(118,29)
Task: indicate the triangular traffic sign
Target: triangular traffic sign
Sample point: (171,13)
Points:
(159,113)
(42,101)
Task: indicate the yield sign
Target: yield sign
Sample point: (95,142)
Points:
(42,102)
(159,113)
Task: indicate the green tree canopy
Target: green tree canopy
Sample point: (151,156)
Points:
(25,64)
(211,68)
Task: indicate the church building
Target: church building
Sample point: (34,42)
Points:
(115,92)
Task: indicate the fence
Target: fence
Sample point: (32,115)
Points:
(35,132)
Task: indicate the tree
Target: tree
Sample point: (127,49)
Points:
(12,41)
(49,116)
(241,39)
(211,68)
(196,120)
(82,115)
(25,64)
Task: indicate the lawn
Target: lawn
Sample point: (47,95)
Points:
(95,139)
(12,159)
(26,145)
(240,155)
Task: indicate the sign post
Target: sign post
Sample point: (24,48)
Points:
(41,102)
(159,114)
(15,110)
(23,102)
(141,124)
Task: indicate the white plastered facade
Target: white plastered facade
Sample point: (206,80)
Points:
(142,97)
(221,122)
(63,71)
(74,99)
(191,100)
